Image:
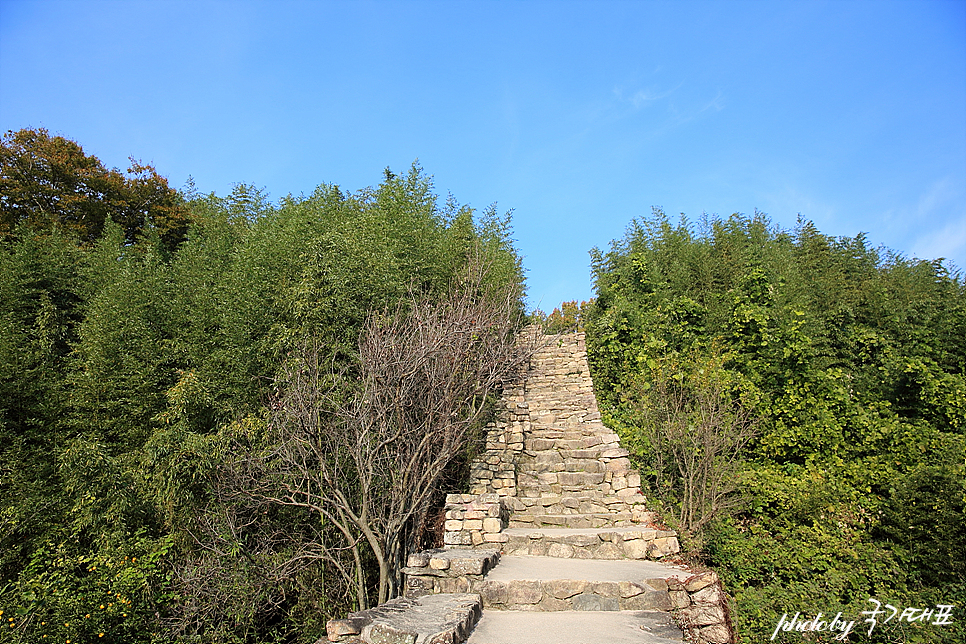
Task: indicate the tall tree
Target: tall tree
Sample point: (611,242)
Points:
(49,182)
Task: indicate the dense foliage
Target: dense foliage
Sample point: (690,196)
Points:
(143,334)
(832,376)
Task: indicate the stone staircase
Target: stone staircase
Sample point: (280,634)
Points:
(561,471)
(554,540)
(572,471)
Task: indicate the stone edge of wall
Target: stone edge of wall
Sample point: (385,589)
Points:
(700,607)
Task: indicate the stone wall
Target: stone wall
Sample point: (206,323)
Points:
(700,606)
(474,521)
(494,471)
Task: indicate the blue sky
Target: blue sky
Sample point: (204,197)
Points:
(579,116)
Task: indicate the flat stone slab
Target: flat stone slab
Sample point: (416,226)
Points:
(434,619)
(584,627)
(446,562)
(545,568)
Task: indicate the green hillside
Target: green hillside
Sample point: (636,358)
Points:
(798,403)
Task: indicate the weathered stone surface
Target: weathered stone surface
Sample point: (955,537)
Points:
(566,588)
(438,563)
(419,586)
(418,560)
(434,618)
(453,585)
(581,540)
(708,595)
(650,600)
(524,592)
(560,550)
(635,548)
(609,551)
(631,589)
(697,582)
(493,593)
(591,601)
(714,634)
(679,598)
(336,629)
(457,539)
(702,615)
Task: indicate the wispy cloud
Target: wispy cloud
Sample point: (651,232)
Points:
(644,97)
(948,241)
(941,213)
(716,103)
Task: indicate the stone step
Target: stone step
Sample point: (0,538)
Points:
(554,461)
(574,500)
(576,627)
(433,618)
(594,520)
(553,584)
(628,542)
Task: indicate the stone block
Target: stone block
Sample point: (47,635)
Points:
(457,539)
(453,585)
(560,550)
(650,600)
(473,524)
(582,540)
(548,478)
(417,560)
(699,581)
(658,584)
(491,524)
(679,598)
(537,549)
(591,601)
(701,615)
(618,465)
(493,593)
(439,563)
(708,595)
(418,585)
(336,629)
(565,588)
(453,525)
(631,589)
(609,551)
(606,588)
(635,548)
(523,592)
(714,634)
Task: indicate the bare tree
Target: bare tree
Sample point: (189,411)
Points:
(364,451)
(697,431)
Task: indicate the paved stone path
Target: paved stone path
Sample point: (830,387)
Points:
(572,568)
(589,627)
